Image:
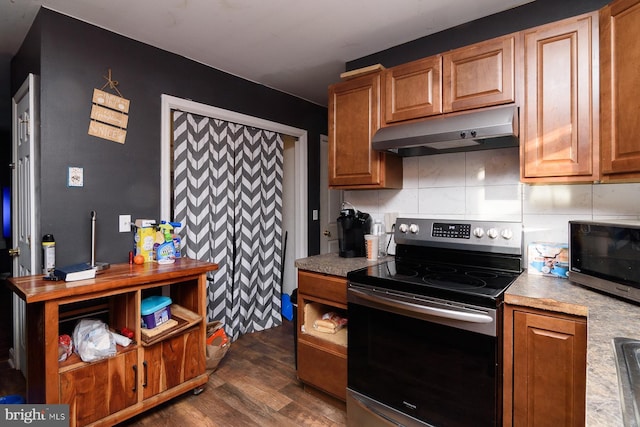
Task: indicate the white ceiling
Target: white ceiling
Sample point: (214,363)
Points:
(296,46)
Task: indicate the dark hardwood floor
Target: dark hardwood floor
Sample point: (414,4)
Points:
(254,385)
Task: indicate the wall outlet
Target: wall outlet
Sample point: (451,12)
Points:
(390,220)
(124,223)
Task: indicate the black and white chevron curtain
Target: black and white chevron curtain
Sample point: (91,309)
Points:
(227,187)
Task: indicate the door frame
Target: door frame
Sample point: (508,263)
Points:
(328,219)
(301,195)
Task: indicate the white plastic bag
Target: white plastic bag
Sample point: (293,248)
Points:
(93,341)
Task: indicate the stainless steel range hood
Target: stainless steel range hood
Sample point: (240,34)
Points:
(495,127)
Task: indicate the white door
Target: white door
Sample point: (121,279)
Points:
(330,204)
(25,178)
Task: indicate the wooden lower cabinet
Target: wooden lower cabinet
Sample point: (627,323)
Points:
(322,357)
(545,359)
(140,376)
(100,389)
(323,368)
(171,362)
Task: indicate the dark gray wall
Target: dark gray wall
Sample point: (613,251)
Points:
(71,58)
(526,16)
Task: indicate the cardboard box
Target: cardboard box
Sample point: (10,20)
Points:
(143,240)
(548,259)
(217,344)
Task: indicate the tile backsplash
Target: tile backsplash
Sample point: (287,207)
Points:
(486,185)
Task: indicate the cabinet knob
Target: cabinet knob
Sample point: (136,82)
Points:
(327,233)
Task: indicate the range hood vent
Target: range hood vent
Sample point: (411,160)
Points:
(495,127)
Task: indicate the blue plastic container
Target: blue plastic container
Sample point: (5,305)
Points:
(13,399)
(155,311)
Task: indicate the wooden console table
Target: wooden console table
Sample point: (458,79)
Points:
(140,376)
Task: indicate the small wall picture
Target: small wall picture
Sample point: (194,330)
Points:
(75,177)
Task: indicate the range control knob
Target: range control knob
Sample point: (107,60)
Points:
(492,233)
(403,228)
(478,232)
(413,228)
(507,234)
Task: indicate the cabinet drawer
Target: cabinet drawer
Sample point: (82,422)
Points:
(331,288)
(324,370)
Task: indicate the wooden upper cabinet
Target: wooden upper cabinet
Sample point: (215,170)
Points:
(413,90)
(559,141)
(354,116)
(620,89)
(479,75)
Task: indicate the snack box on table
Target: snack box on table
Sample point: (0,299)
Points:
(155,311)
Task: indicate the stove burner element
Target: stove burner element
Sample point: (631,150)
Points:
(482,274)
(453,281)
(403,271)
(440,269)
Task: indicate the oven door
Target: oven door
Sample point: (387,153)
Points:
(420,361)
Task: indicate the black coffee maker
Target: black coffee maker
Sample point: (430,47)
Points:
(352,226)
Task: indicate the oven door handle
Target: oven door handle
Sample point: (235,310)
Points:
(408,307)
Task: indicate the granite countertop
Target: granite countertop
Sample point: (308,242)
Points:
(607,317)
(334,264)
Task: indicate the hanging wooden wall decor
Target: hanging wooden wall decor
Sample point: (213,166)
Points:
(109,117)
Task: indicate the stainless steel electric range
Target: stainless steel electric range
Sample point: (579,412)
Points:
(424,344)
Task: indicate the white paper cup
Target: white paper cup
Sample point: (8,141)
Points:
(371,245)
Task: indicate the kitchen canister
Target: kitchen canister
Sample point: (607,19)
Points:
(377,229)
(371,246)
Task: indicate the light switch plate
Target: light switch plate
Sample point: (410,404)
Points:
(75,177)
(124,223)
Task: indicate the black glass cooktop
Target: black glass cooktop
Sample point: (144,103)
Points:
(460,283)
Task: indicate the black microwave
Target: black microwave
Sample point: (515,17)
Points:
(606,256)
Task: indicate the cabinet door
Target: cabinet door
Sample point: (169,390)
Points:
(172,362)
(413,90)
(560,118)
(479,75)
(620,85)
(323,369)
(549,370)
(99,389)
(182,358)
(152,371)
(354,116)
